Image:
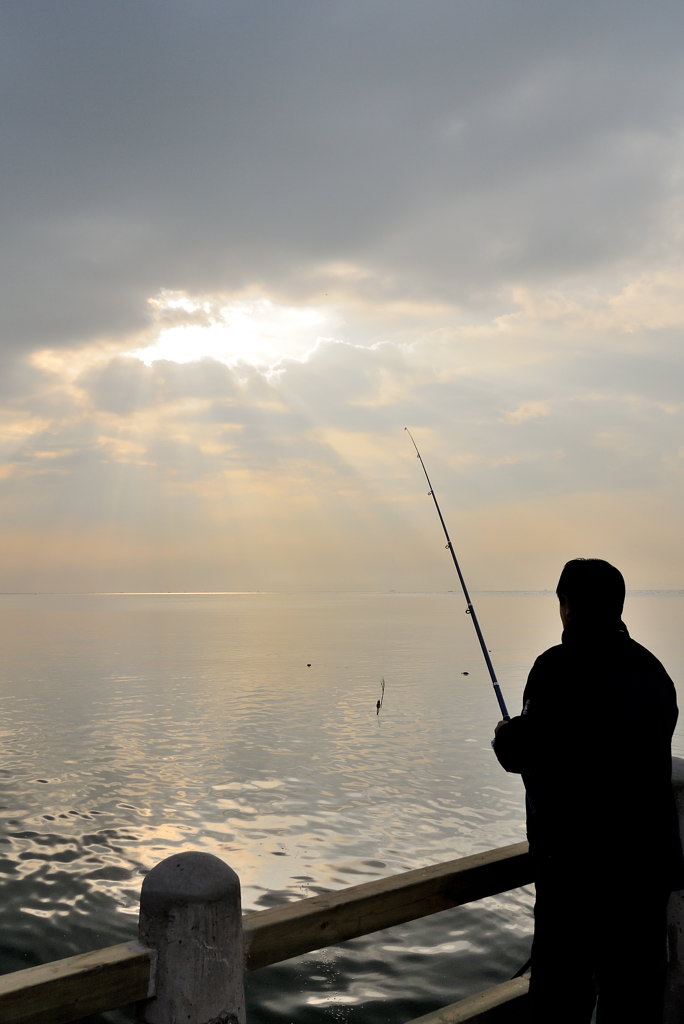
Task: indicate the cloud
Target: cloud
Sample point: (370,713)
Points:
(124,384)
(239,144)
(461,218)
(528,411)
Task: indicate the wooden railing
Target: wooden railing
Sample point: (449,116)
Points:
(196,943)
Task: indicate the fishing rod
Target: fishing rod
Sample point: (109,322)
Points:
(469,610)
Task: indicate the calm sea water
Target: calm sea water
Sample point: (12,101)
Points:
(134,726)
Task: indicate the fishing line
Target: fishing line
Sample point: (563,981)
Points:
(469,610)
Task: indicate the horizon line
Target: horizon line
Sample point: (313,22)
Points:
(237,593)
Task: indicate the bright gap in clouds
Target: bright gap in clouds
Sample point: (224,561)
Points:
(257,331)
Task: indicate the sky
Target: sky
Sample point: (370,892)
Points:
(246,242)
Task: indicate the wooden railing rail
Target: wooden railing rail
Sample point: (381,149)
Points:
(70,989)
(502,1004)
(73,988)
(283,932)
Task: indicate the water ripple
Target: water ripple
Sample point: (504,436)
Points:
(134,729)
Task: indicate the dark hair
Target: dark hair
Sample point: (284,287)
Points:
(593,589)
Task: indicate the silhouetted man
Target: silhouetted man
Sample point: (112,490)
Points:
(593,747)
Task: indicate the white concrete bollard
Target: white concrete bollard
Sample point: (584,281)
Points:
(674,991)
(190,913)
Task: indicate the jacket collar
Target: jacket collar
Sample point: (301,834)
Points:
(595,633)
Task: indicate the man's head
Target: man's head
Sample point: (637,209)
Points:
(591,591)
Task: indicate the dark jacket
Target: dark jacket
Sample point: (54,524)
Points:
(593,747)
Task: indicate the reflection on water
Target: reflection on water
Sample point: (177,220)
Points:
(245,725)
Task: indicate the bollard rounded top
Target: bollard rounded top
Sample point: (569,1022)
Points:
(188,877)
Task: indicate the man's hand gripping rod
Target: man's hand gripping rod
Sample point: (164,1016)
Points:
(469,610)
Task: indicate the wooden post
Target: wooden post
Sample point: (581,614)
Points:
(674,991)
(190,914)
